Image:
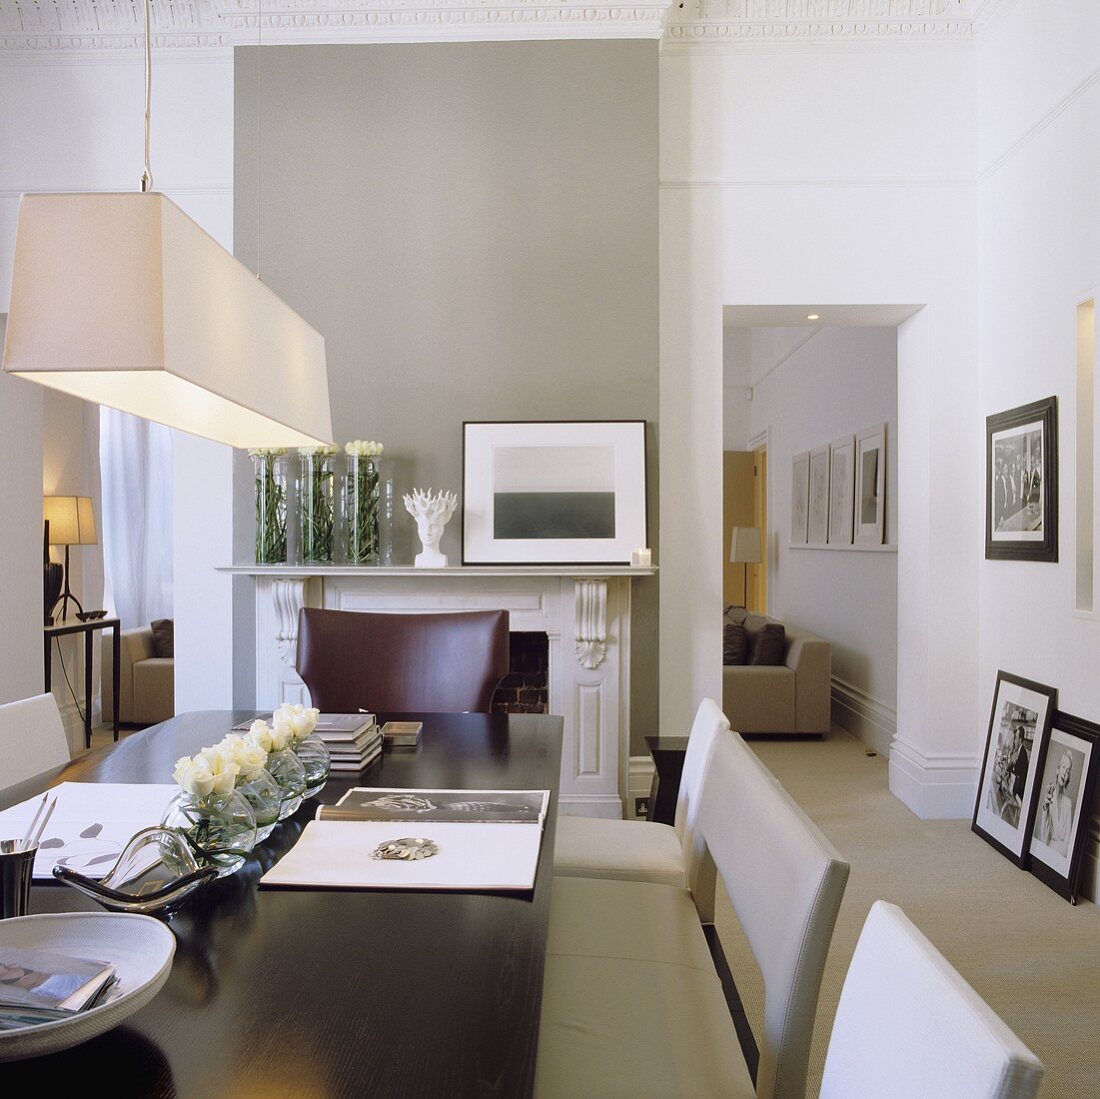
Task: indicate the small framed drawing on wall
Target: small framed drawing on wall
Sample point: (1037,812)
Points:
(1019,724)
(1021,483)
(841,482)
(819,496)
(870,491)
(1063,796)
(800,498)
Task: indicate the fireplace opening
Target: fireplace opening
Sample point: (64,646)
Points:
(526,687)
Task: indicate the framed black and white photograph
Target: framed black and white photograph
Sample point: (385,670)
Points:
(1021,483)
(543,493)
(841,483)
(800,498)
(1063,792)
(870,488)
(1019,724)
(819,496)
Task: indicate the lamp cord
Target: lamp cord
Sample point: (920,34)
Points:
(147,175)
(61,658)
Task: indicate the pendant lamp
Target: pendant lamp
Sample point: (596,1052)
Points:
(123,300)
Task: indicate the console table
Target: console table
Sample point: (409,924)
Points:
(59,629)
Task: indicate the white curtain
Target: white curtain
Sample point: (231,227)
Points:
(135,458)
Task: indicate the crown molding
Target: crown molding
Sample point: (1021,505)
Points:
(769,23)
(92,26)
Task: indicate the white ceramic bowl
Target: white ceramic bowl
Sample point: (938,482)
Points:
(139,947)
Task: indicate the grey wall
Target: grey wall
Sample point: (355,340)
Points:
(473,228)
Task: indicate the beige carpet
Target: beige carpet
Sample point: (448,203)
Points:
(1033,957)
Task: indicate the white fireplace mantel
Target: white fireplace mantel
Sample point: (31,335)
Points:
(583,609)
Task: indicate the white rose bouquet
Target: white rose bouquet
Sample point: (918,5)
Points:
(299,721)
(363,448)
(210,773)
(285,767)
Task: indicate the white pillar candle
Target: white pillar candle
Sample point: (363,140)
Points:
(642,557)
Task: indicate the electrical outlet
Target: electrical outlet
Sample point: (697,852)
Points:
(641,807)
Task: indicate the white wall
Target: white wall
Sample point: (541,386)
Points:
(812,386)
(1040,252)
(828,175)
(76,124)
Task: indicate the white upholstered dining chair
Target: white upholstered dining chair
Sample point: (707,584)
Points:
(632,1003)
(32,739)
(908,1025)
(638,850)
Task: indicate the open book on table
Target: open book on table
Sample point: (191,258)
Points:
(487,840)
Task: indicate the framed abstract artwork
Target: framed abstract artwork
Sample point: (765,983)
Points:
(1021,483)
(819,497)
(841,484)
(1019,724)
(553,492)
(1062,800)
(870,486)
(800,498)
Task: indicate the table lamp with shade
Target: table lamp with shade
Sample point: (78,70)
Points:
(71,523)
(745,550)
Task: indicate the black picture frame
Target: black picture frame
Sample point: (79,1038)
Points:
(1072,747)
(1021,513)
(1005,805)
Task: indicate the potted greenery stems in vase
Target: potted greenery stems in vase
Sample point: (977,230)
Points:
(361,501)
(317,503)
(271,500)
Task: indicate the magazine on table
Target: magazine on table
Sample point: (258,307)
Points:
(474,840)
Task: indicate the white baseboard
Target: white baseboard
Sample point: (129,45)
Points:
(591,805)
(934,787)
(867,718)
(639,782)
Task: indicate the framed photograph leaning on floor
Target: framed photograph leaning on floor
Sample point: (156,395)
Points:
(553,492)
(1063,793)
(1019,725)
(1021,483)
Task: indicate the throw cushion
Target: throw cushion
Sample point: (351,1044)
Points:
(735,643)
(164,642)
(769,645)
(736,614)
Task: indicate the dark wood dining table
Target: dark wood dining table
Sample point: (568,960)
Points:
(315,993)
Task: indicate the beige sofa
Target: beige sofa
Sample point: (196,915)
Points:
(146,682)
(793,697)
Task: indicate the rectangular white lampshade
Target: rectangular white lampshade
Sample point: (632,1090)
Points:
(72,522)
(745,546)
(123,300)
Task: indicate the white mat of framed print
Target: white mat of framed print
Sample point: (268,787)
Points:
(842,479)
(819,496)
(1019,724)
(544,493)
(800,498)
(1063,795)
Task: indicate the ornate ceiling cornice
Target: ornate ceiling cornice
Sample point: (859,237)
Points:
(778,22)
(34,27)
(79,25)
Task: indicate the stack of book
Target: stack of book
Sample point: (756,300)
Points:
(353,740)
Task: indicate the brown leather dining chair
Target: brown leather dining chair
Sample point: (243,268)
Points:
(428,663)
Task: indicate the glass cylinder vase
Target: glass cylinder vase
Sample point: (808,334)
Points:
(317,505)
(219,828)
(265,796)
(271,500)
(287,770)
(361,509)
(313,754)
